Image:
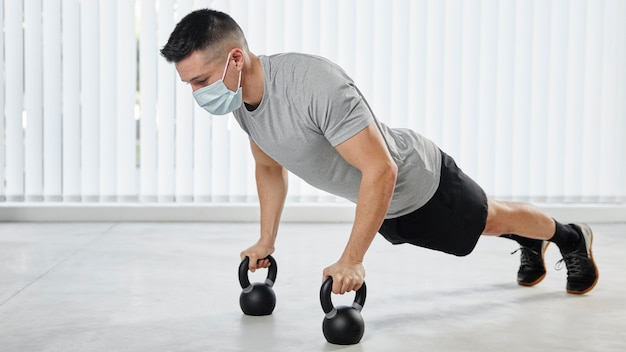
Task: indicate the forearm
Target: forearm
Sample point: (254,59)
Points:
(375,194)
(272,190)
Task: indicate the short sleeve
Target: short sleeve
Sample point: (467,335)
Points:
(337,108)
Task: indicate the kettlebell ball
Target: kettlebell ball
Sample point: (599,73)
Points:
(342,325)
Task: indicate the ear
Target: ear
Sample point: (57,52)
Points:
(237,55)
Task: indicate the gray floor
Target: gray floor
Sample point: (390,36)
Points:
(173,287)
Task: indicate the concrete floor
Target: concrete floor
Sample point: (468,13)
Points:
(173,287)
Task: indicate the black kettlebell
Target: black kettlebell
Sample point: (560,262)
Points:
(343,325)
(257,298)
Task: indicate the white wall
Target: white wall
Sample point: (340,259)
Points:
(528,96)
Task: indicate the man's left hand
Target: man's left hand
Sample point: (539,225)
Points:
(346,276)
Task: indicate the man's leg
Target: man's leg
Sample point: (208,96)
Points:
(532,229)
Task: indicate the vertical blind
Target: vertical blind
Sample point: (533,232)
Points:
(528,96)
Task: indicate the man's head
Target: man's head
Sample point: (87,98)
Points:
(210,52)
(206,30)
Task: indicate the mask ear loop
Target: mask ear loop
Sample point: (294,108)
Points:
(239,82)
(226,68)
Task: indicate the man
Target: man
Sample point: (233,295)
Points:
(304,114)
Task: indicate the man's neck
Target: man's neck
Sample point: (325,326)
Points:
(252,82)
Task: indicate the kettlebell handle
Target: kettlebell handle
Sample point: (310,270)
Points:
(244,281)
(327,304)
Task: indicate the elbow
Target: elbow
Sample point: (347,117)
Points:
(392,174)
(393,169)
(388,173)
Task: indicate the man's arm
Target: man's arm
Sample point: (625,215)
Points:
(367,152)
(271,182)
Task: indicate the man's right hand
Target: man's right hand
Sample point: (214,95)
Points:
(258,254)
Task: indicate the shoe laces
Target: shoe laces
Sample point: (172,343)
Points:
(526,255)
(572,262)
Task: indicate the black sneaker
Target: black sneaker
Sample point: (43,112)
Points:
(582,272)
(532,268)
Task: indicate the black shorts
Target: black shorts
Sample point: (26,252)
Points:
(451,221)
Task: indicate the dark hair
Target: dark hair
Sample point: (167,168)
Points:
(200,29)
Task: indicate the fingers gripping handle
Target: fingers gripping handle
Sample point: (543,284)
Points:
(243,273)
(327,304)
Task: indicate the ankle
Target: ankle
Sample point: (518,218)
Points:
(566,237)
(524,241)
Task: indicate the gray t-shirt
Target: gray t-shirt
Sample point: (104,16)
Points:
(309,106)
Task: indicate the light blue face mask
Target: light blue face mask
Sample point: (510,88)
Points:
(217,99)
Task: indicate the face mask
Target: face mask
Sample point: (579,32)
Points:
(217,99)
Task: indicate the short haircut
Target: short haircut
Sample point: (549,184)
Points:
(200,30)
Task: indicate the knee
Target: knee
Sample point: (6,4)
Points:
(497,215)
(495,228)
